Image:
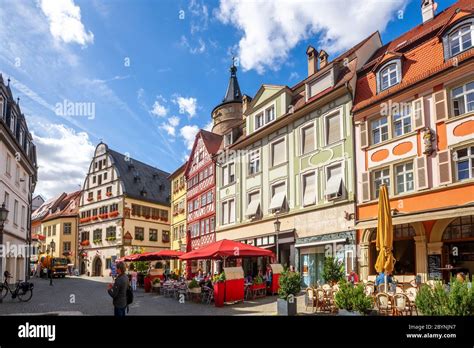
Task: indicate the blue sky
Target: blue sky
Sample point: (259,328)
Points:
(152,71)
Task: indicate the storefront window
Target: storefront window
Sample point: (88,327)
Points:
(460,228)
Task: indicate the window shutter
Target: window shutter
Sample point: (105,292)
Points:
(333,129)
(308,139)
(418,113)
(421,173)
(441,105)
(364,139)
(309,189)
(365,187)
(232,211)
(444,164)
(278,152)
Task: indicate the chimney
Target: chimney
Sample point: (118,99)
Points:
(323,59)
(428,8)
(312,60)
(245,103)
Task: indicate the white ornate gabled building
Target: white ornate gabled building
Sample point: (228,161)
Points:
(125,206)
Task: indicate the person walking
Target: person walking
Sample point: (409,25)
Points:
(118,291)
(134,275)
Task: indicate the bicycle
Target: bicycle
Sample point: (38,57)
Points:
(23,290)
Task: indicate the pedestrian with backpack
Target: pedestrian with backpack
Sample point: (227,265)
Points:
(118,291)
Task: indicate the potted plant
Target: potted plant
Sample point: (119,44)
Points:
(441,300)
(113,213)
(97,241)
(219,289)
(290,286)
(108,194)
(194,287)
(85,243)
(350,299)
(258,283)
(111,239)
(333,270)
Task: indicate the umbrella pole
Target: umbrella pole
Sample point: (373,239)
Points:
(386,281)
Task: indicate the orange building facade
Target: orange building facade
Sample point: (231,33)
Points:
(414,127)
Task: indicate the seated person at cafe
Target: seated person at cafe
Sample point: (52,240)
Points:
(381,279)
(353,277)
(249,278)
(268,275)
(199,276)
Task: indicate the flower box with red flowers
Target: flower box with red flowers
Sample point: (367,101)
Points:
(84,220)
(113,213)
(155,218)
(95,218)
(99,198)
(146,216)
(104,216)
(85,243)
(108,194)
(90,199)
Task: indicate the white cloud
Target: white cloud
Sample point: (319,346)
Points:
(158,108)
(186,105)
(293,76)
(170,126)
(265,44)
(208,126)
(188,133)
(65,21)
(62,153)
(199,48)
(200,16)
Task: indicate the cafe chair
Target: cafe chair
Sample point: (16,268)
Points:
(310,298)
(399,290)
(381,288)
(411,293)
(382,302)
(207,295)
(401,304)
(321,300)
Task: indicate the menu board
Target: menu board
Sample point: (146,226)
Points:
(434,265)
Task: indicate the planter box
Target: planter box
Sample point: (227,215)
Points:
(195,290)
(345,312)
(219,294)
(286,308)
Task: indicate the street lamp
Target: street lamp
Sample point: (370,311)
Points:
(3,218)
(277,224)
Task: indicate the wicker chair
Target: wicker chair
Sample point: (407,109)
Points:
(207,295)
(326,287)
(411,293)
(401,304)
(399,290)
(321,300)
(369,290)
(382,302)
(310,298)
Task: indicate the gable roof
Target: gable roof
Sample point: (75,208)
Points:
(142,181)
(44,208)
(66,207)
(212,142)
(423,53)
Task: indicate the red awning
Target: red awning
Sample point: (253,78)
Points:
(165,254)
(226,249)
(38,237)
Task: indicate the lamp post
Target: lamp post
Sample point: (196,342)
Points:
(277,224)
(3,218)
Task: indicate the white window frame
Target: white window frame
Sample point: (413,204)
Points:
(372,179)
(2,107)
(263,113)
(470,161)
(226,176)
(15,212)
(250,193)
(379,127)
(326,178)
(403,117)
(256,159)
(464,95)
(8,169)
(228,138)
(258,115)
(303,175)
(267,121)
(283,139)
(302,129)
(325,126)
(456,33)
(404,174)
(387,68)
(226,205)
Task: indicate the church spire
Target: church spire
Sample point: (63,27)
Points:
(233,93)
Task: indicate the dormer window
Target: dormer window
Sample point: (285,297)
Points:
(259,120)
(270,114)
(389,76)
(461,39)
(228,139)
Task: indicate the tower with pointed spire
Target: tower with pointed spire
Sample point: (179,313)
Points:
(228,114)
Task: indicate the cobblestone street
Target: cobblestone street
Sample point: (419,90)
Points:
(88,296)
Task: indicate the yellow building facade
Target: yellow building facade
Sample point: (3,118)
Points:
(178,212)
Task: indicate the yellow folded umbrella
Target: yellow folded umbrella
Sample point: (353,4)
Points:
(384,241)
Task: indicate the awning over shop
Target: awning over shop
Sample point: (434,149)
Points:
(226,249)
(402,218)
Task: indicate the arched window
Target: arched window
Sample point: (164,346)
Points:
(461,39)
(403,249)
(460,228)
(389,75)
